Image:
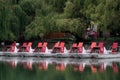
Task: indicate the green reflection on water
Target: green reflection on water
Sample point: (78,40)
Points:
(20,73)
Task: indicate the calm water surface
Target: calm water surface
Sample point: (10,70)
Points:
(16,68)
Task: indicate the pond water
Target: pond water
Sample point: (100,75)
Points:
(16,68)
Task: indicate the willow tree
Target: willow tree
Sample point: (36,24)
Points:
(103,12)
(7,21)
(12,20)
(71,22)
(33,18)
(113,14)
(46,13)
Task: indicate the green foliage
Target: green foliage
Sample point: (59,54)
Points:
(68,10)
(38,17)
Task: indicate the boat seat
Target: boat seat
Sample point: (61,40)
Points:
(39,44)
(29,44)
(80,46)
(57,44)
(44,46)
(10,48)
(25,47)
(24,44)
(74,45)
(14,44)
(22,48)
(101,46)
(114,47)
(93,45)
(62,44)
(56,48)
(39,47)
(97,49)
(74,48)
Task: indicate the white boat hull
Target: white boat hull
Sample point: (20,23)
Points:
(9,54)
(37,54)
(60,55)
(109,56)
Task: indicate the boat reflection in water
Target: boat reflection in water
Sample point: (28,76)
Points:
(60,64)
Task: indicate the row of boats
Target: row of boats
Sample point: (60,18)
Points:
(96,65)
(95,50)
